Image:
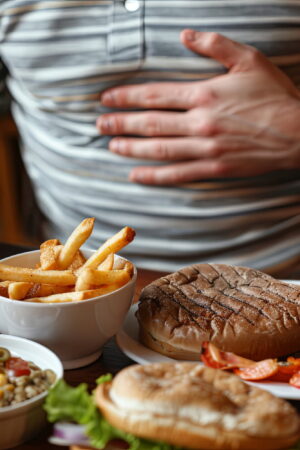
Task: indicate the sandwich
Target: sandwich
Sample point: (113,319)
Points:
(238,309)
(164,406)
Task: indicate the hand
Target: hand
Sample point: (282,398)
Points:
(245,122)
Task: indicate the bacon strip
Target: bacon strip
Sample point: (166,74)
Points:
(283,371)
(259,370)
(213,357)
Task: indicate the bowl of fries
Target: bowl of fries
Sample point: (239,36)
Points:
(69,299)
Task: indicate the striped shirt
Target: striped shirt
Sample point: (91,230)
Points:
(61,54)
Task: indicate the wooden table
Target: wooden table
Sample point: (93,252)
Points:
(111,361)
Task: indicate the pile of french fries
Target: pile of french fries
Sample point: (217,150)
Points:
(64,275)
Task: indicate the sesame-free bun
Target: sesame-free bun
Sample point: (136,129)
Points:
(192,406)
(238,309)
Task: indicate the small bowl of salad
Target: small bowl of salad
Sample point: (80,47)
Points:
(27,371)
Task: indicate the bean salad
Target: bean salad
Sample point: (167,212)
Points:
(21,380)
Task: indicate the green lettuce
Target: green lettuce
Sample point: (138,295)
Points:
(75,404)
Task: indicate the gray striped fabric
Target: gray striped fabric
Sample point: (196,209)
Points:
(61,54)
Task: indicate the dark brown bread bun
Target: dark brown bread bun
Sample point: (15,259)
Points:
(238,309)
(192,406)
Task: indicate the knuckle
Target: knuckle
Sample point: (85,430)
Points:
(220,168)
(121,146)
(150,96)
(152,125)
(121,96)
(206,127)
(161,151)
(214,149)
(253,56)
(117,123)
(214,39)
(205,97)
(176,177)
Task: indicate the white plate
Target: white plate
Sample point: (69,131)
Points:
(128,341)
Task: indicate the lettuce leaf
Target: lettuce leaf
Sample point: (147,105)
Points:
(75,404)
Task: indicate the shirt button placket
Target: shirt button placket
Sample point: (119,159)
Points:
(126,37)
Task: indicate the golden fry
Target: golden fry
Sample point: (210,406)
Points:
(43,290)
(49,251)
(112,245)
(75,241)
(77,262)
(18,290)
(74,296)
(92,277)
(129,267)
(82,283)
(50,243)
(58,277)
(4,288)
(108,263)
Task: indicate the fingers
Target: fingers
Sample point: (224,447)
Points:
(153,95)
(151,123)
(216,46)
(196,122)
(178,149)
(177,173)
(249,163)
(163,149)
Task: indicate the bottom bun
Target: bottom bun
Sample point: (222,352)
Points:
(167,349)
(191,406)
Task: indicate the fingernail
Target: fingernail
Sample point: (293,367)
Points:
(190,35)
(107,98)
(117,146)
(106,124)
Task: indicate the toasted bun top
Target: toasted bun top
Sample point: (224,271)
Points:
(239,309)
(198,397)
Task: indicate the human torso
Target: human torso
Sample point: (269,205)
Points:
(62,54)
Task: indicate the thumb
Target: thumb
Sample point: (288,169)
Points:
(216,46)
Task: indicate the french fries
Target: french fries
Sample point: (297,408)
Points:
(92,277)
(64,275)
(74,296)
(18,289)
(75,241)
(43,290)
(49,253)
(108,263)
(112,245)
(4,288)
(58,277)
(77,262)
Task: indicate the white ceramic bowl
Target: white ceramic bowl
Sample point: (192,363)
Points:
(75,331)
(22,421)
